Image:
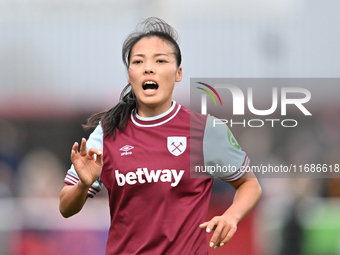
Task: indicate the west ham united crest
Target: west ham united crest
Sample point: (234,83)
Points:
(177,144)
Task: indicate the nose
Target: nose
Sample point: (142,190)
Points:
(148,69)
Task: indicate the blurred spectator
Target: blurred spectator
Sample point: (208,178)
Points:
(11,139)
(259,144)
(332,158)
(6,180)
(40,175)
(328,124)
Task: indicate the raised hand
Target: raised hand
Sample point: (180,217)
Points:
(87,167)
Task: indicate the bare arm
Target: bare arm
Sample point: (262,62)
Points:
(248,192)
(73,197)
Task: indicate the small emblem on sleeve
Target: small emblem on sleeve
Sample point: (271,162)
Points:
(177,145)
(233,141)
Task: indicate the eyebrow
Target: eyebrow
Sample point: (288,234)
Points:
(155,55)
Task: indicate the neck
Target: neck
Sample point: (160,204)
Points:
(151,111)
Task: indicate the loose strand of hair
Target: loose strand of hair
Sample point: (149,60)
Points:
(116,117)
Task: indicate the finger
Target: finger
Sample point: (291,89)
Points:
(228,236)
(75,147)
(83,147)
(214,241)
(93,151)
(222,237)
(211,225)
(74,151)
(100,157)
(204,225)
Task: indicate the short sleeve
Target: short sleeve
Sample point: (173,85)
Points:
(95,140)
(223,156)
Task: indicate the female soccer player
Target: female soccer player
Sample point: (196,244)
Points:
(141,150)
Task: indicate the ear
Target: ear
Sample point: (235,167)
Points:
(179,74)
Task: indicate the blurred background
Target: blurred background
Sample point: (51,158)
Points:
(60,61)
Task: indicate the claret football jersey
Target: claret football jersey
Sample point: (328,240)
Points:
(156,205)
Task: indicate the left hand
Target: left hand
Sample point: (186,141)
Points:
(224,226)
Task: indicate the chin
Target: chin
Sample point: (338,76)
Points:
(153,101)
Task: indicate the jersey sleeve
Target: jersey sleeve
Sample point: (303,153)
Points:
(223,155)
(95,140)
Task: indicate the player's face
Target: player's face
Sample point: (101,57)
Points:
(153,72)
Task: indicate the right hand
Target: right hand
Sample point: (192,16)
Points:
(87,167)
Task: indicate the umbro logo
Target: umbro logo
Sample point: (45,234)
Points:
(126,150)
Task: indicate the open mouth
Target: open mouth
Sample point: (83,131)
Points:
(150,85)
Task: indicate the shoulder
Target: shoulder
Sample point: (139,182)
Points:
(96,138)
(217,130)
(222,151)
(196,119)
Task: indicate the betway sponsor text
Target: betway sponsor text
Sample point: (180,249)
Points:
(143,175)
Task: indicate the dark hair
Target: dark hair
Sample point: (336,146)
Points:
(118,116)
